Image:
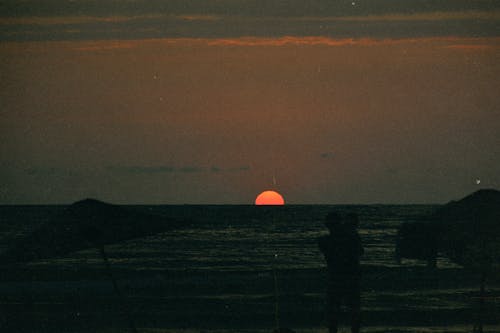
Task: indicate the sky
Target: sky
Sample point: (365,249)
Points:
(215,101)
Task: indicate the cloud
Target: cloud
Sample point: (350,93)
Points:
(190,169)
(42,171)
(109,45)
(240,41)
(79,20)
(327,155)
(392,171)
(216,169)
(199,17)
(170,169)
(470,47)
(238,169)
(231,19)
(303,41)
(476,43)
(82,20)
(141,169)
(67,20)
(253,8)
(288,40)
(461,44)
(427,16)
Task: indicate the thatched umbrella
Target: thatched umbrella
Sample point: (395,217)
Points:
(418,240)
(86,224)
(470,235)
(467,231)
(470,230)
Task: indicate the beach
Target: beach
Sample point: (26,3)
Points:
(218,276)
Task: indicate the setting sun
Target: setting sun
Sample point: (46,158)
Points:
(269,198)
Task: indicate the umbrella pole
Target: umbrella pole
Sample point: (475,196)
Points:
(481,301)
(276,297)
(104,256)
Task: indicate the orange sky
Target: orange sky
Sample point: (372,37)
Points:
(213,120)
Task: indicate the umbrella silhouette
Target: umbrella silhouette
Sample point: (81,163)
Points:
(470,230)
(86,224)
(470,235)
(467,231)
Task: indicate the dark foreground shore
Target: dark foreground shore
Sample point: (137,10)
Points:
(219,276)
(397,299)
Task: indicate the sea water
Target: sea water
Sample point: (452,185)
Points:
(233,268)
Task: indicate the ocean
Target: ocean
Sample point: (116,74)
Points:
(234,269)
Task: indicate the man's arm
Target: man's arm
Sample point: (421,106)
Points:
(323,244)
(361,250)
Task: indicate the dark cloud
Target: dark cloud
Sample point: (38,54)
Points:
(254,8)
(392,171)
(238,169)
(141,169)
(216,169)
(327,155)
(170,169)
(91,20)
(226,28)
(36,171)
(40,171)
(190,169)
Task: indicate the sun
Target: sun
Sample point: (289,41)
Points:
(269,198)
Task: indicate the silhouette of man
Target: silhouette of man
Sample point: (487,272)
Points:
(342,249)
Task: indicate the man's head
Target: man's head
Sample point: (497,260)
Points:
(352,220)
(333,220)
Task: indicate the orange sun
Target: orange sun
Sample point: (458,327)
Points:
(269,198)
